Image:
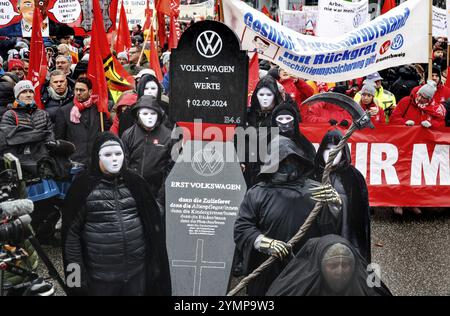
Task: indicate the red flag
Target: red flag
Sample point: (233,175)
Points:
(266,12)
(388,5)
(123,42)
(175,32)
(161,29)
(154,60)
(37,71)
(253,76)
(113,7)
(148,16)
(168,7)
(447,83)
(96,71)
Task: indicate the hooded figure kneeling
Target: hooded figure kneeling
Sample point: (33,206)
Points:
(328,266)
(112,230)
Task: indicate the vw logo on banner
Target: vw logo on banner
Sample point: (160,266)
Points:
(209,44)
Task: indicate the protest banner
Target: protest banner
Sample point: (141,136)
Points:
(337,17)
(439,22)
(403,166)
(393,39)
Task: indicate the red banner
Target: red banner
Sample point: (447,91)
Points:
(403,166)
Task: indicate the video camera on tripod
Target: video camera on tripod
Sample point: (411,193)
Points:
(15,232)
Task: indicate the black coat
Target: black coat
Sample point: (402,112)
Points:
(303,276)
(51,105)
(353,223)
(81,135)
(6,95)
(81,217)
(149,155)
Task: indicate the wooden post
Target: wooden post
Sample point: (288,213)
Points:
(143,47)
(102,122)
(221,17)
(430,39)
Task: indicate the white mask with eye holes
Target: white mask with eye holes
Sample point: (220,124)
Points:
(148,117)
(151,88)
(111,158)
(326,154)
(266,99)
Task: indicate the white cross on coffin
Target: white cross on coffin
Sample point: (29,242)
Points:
(198,264)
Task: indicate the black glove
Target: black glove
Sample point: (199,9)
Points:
(344,123)
(333,122)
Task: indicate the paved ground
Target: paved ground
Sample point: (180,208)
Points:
(412,251)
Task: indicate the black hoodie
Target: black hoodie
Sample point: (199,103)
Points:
(81,201)
(149,152)
(297,137)
(353,223)
(256,117)
(127,118)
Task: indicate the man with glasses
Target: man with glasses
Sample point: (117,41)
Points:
(420,109)
(133,68)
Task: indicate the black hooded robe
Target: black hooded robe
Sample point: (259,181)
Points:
(276,210)
(353,222)
(158,281)
(303,276)
(259,119)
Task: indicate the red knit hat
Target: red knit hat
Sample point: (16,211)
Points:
(16,63)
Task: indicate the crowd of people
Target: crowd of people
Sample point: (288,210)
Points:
(113,216)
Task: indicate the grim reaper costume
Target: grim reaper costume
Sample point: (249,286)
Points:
(327,266)
(353,222)
(274,210)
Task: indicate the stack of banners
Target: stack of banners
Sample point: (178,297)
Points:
(393,39)
(16,16)
(337,17)
(303,22)
(403,166)
(439,22)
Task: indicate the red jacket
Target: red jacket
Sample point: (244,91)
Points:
(407,109)
(323,112)
(442,93)
(380,118)
(299,91)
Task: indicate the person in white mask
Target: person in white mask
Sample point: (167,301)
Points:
(148,144)
(114,204)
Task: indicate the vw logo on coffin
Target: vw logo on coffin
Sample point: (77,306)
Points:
(209,44)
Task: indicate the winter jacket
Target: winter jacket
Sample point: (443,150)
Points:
(82,135)
(407,109)
(6,95)
(385,99)
(409,78)
(380,118)
(299,91)
(51,105)
(323,112)
(442,93)
(112,215)
(38,120)
(149,152)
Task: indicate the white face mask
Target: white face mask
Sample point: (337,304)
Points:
(151,88)
(326,154)
(148,117)
(266,99)
(111,158)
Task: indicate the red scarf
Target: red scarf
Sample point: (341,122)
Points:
(86,104)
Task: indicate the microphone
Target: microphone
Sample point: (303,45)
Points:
(17,208)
